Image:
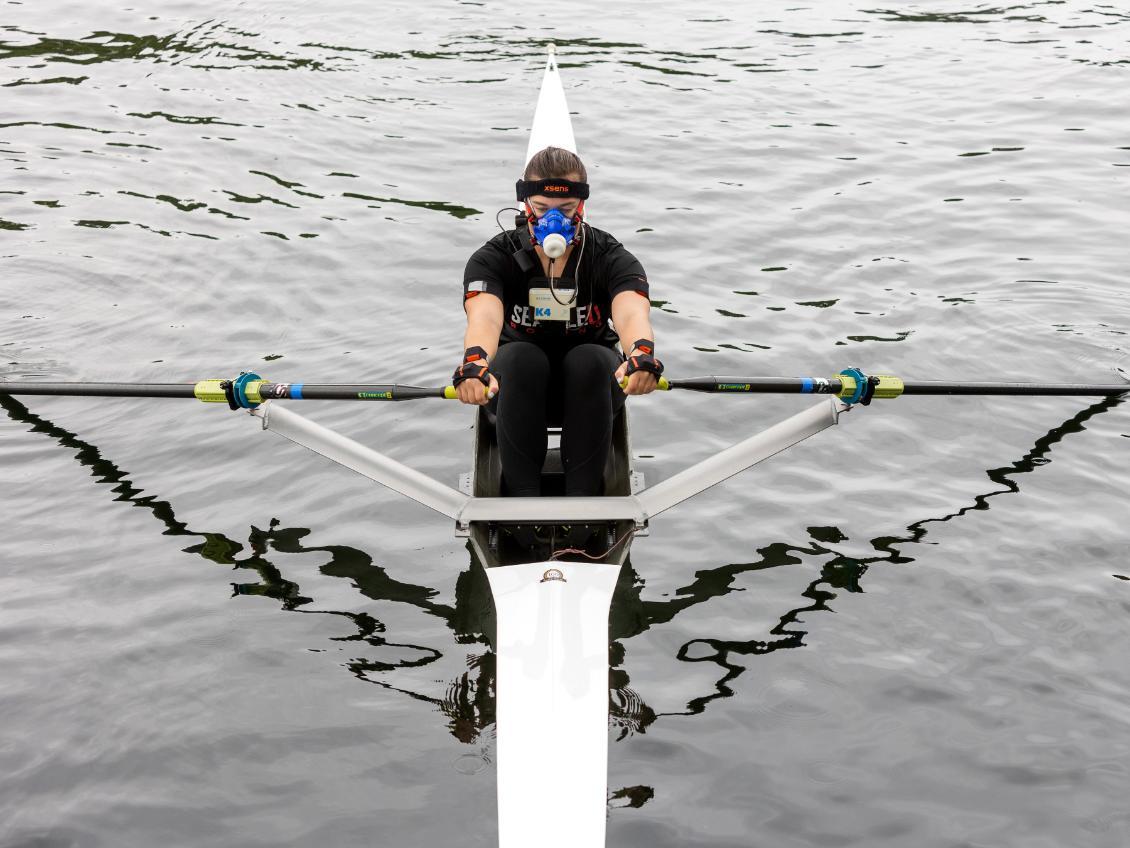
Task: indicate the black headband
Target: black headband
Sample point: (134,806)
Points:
(551,188)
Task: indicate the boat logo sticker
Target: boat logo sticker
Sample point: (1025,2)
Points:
(280,390)
(553,574)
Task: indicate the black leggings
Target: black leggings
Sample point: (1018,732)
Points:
(573,389)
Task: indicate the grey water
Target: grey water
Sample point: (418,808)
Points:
(910,630)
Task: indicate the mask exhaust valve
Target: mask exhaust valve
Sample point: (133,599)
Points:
(554,245)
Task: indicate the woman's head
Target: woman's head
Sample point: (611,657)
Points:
(565,170)
(556,163)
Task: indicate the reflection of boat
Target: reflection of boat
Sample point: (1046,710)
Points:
(508,543)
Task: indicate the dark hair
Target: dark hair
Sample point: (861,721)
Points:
(555,163)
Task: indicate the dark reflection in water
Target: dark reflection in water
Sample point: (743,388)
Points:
(211,45)
(986,15)
(435,205)
(468,703)
(216,46)
(841,573)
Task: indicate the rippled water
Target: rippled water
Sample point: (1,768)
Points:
(209,637)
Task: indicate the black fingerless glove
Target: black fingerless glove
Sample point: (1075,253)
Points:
(643,358)
(474,367)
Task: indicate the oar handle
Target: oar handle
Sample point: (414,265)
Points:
(661,384)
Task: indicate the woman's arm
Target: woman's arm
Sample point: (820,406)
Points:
(484,326)
(631,313)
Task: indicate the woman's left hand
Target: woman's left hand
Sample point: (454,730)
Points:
(638,383)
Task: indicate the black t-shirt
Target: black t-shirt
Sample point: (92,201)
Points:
(606,268)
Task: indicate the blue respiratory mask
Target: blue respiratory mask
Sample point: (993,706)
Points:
(554,232)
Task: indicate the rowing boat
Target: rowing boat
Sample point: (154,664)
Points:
(551,642)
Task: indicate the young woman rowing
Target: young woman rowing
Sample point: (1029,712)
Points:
(547,303)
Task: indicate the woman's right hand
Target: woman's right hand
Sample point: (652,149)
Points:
(473,381)
(475,392)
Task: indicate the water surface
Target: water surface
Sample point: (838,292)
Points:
(908,631)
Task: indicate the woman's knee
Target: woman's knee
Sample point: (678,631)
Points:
(520,362)
(589,362)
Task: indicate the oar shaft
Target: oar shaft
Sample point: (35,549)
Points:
(138,390)
(349,391)
(1031,389)
(755,385)
(835,385)
(212,391)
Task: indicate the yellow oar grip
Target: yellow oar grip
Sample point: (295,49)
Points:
(662,384)
(449,393)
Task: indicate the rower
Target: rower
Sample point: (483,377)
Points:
(547,303)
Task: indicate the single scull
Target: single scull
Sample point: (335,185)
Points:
(551,644)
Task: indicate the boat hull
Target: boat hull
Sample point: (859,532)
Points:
(551,652)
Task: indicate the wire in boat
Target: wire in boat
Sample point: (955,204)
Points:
(629,532)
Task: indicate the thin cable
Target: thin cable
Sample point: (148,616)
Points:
(576,276)
(500,211)
(555,554)
(513,241)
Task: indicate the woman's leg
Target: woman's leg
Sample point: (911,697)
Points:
(522,369)
(592,398)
